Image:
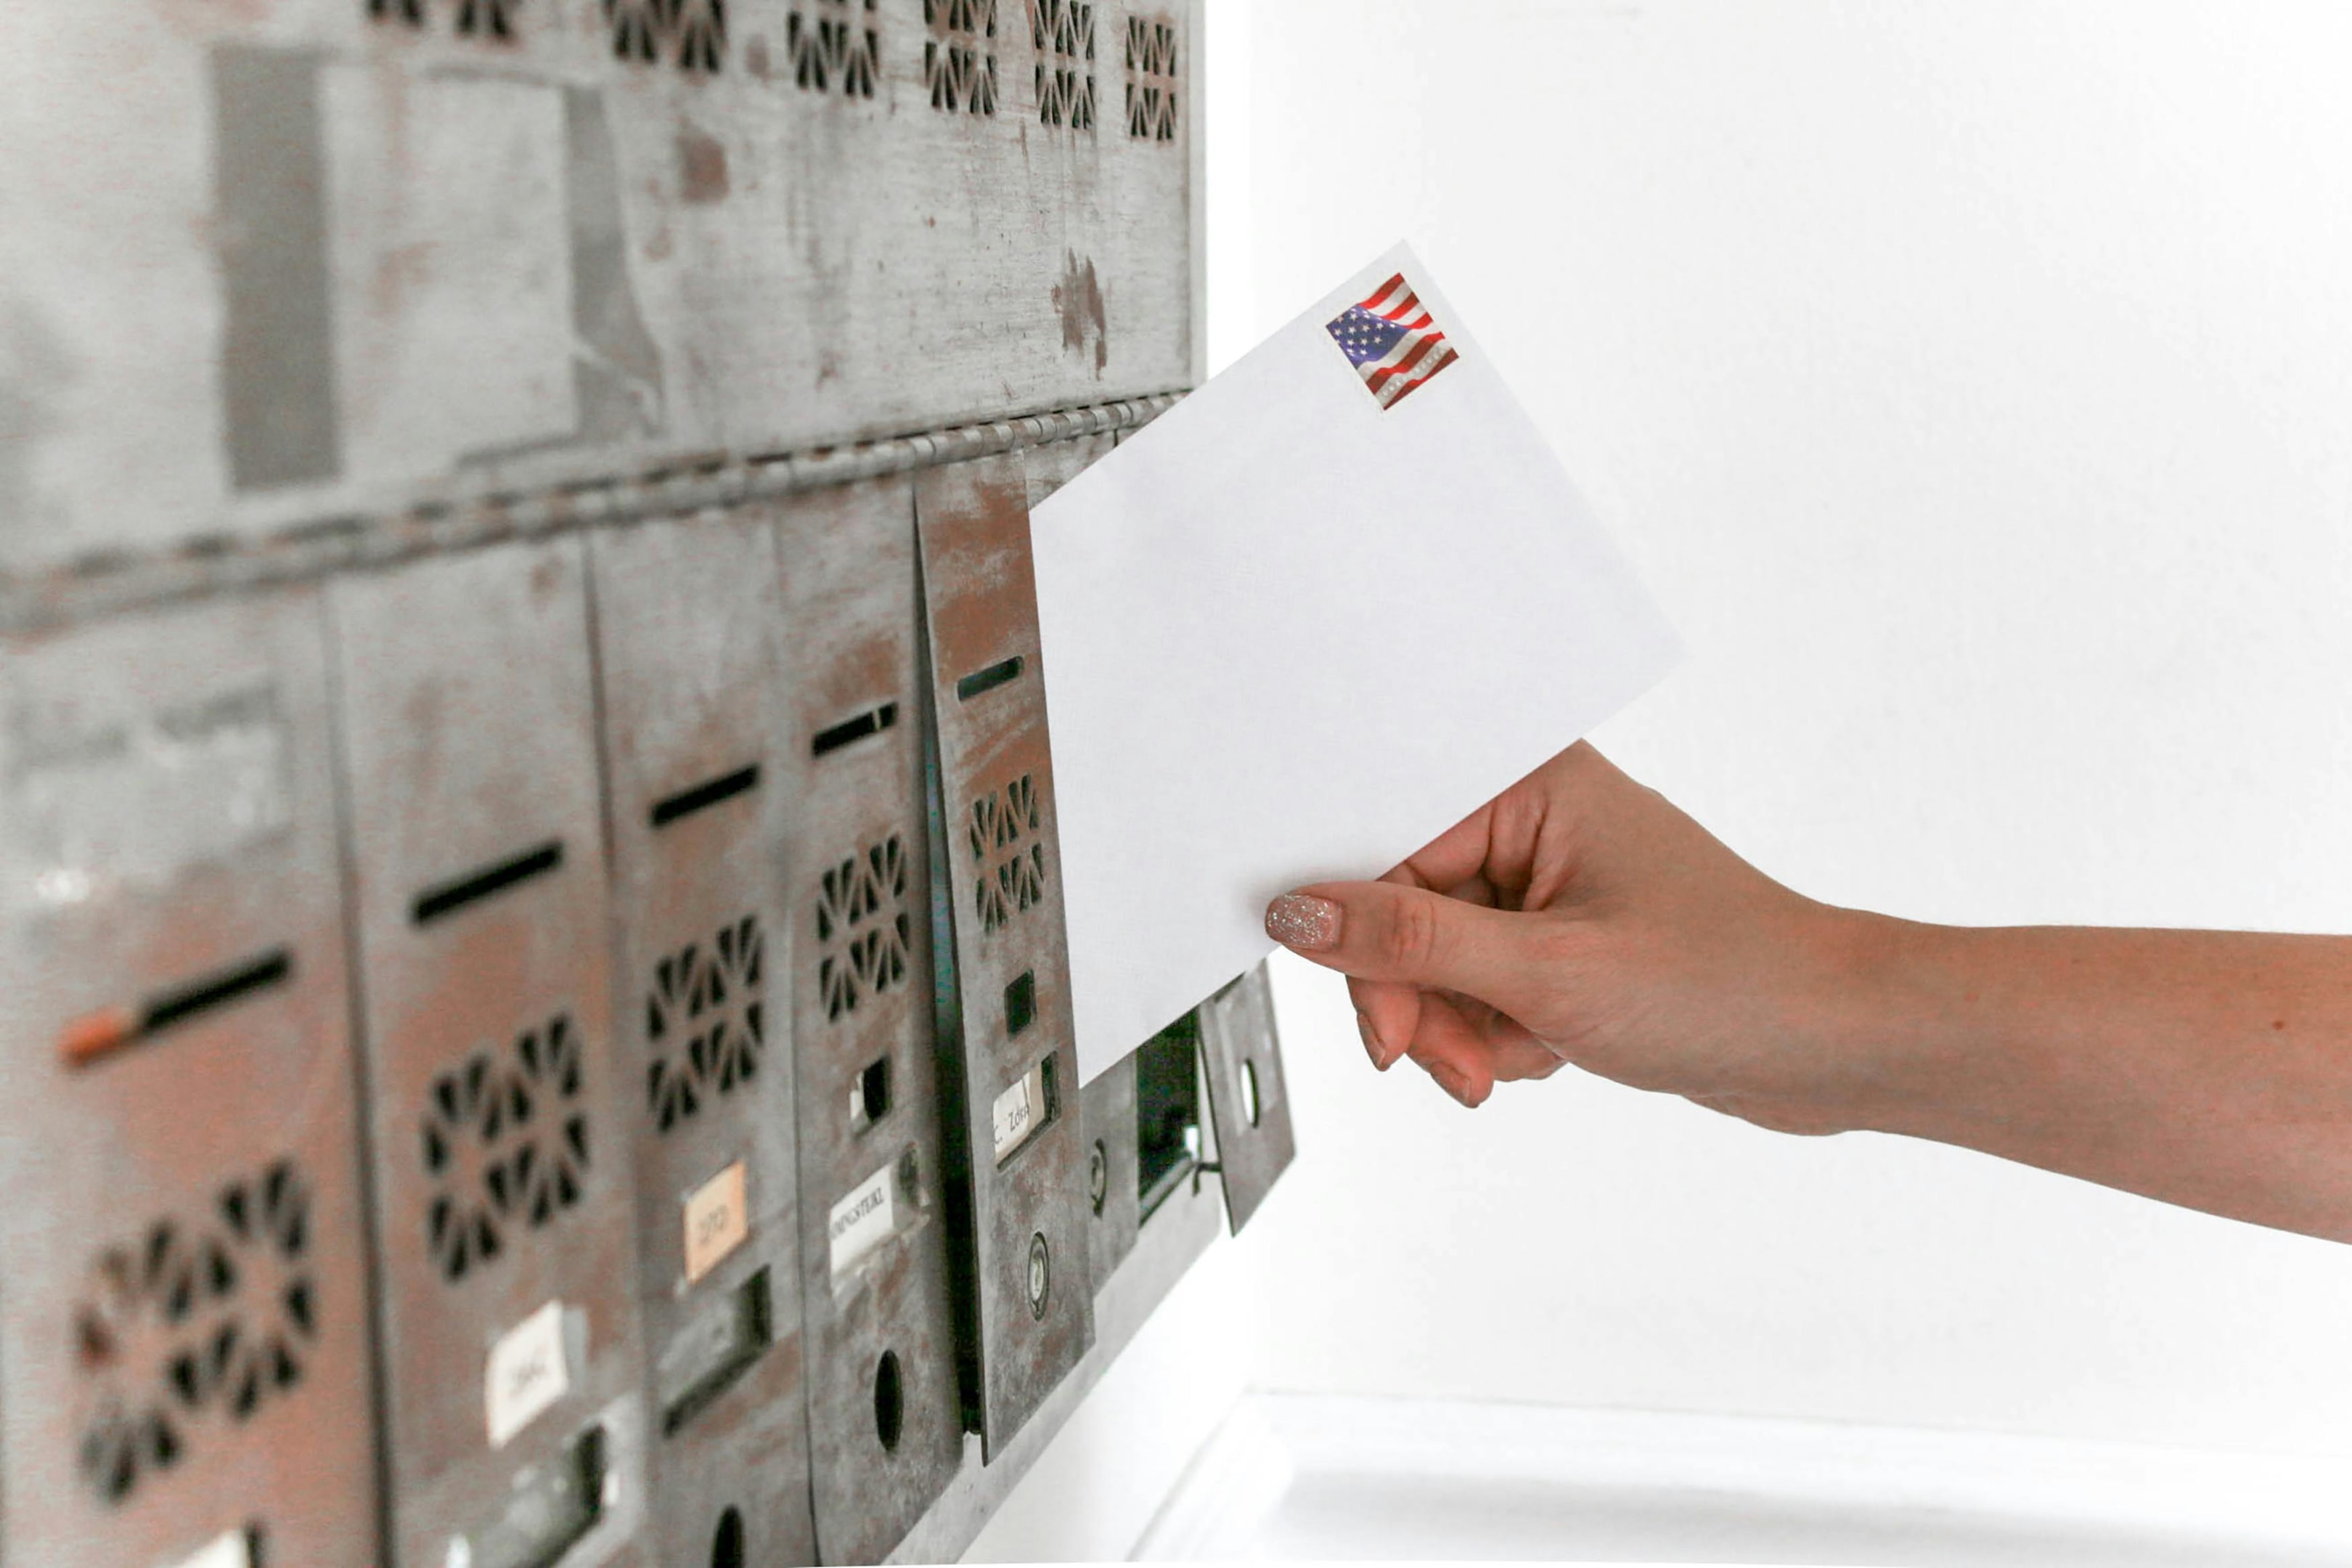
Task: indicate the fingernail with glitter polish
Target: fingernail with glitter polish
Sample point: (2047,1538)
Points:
(1373,1047)
(1302,921)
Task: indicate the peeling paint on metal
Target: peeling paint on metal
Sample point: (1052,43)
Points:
(1079,298)
(616,365)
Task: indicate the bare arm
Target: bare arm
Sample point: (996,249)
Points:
(1582,917)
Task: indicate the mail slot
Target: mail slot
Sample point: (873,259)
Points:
(505,1202)
(1018,1163)
(884,1422)
(1248,1106)
(184,1359)
(690,628)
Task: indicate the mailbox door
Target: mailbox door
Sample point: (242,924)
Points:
(1248,1106)
(183,1357)
(884,1422)
(690,631)
(505,1208)
(1013,1060)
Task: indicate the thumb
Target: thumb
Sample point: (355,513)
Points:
(1387,931)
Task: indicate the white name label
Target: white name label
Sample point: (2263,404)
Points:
(863,1220)
(718,1219)
(528,1373)
(230,1551)
(1020,1111)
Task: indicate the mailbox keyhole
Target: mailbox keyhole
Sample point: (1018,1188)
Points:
(1250,1107)
(727,1546)
(889,1400)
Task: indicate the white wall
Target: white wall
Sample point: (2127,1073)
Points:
(1974,384)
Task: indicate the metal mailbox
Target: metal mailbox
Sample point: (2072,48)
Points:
(1114,1184)
(885,1421)
(183,1370)
(1241,1055)
(505,1209)
(689,630)
(1010,1067)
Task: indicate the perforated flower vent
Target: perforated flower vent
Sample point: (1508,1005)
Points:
(1150,80)
(833,45)
(195,1322)
(862,927)
(507,1141)
(958,58)
(1012,861)
(690,33)
(470,19)
(1064,35)
(704,1023)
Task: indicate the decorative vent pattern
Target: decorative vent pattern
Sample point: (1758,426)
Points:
(833,47)
(193,1322)
(1013,859)
(1064,35)
(507,1143)
(692,33)
(1150,80)
(704,1027)
(861,927)
(473,18)
(959,58)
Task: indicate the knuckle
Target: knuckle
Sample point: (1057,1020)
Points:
(1409,937)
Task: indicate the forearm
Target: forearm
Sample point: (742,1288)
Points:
(2208,1068)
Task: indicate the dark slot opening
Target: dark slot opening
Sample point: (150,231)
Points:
(873,721)
(1001,672)
(687,801)
(1167,1109)
(726,1545)
(476,886)
(547,1514)
(1020,1002)
(872,1092)
(889,1400)
(216,990)
(735,1332)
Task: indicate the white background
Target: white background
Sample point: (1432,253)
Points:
(1973,384)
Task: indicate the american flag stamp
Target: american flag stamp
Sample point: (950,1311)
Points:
(1391,341)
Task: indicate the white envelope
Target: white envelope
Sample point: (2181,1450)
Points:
(1292,635)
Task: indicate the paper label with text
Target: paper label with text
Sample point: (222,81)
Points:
(718,1219)
(529,1374)
(232,1549)
(863,1220)
(1019,1111)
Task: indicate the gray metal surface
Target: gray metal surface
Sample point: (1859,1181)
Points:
(690,641)
(883,1416)
(184,1355)
(1114,1207)
(1241,1055)
(366,253)
(1021,1154)
(505,1207)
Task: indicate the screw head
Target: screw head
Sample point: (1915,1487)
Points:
(1041,1275)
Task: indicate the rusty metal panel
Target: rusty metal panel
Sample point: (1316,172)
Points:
(1249,1109)
(505,1209)
(184,1348)
(345,255)
(1113,1190)
(1012,1062)
(1048,467)
(885,1417)
(689,630)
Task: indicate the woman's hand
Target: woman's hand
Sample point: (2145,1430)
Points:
(1579,917)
